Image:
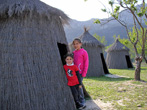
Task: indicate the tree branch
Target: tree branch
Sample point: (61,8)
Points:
(105,7)
(146,16)
(145,42)
(134,15)
(145,59)
(144,7)
(120,3)
(136,30)
(106,21)
(143,46)
(146,34)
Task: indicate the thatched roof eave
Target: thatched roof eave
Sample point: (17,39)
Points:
(18,8)
(92,44)
(117,46)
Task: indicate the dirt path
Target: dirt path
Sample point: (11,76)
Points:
(97,105)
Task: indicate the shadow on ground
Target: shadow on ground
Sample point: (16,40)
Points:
(91,105)
(104,78)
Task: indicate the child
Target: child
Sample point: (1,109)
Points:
(74,80)
(81,61)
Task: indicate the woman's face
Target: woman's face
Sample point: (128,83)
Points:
(77,45)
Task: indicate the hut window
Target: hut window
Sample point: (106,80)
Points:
(104,64)
(128,60)
(63,51)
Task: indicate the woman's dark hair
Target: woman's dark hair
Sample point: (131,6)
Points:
(77,39)
(68,55)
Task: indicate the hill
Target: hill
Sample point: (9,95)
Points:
(75,29)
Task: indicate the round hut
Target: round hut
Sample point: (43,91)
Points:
(33,43)
(118,56)
(97,65)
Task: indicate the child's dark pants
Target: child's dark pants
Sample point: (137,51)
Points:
(75,93)
(81,94)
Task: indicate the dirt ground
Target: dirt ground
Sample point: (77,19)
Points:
(98,105)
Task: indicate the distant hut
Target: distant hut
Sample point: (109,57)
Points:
(118,56)
(32,45)
(97,65)
(71,48)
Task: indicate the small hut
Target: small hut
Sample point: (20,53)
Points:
(32,45)
(118,56)
(97,65)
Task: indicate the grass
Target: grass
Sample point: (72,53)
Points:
(122,93)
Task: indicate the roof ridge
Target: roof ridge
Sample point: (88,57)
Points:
(88,39)
(117,46)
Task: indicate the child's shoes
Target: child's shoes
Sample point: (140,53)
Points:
(80,106)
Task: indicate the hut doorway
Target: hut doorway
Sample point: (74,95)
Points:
(104,64)
(63,51)
(128,60)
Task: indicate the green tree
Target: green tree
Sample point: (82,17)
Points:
(137,15)
(101,39)
(127,43)
(114,36)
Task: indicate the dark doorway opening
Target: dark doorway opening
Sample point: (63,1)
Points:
(63,51)
(104,64)
(129,64)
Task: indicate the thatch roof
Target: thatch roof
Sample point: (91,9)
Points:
(88,40)
(8,8)
(117,46)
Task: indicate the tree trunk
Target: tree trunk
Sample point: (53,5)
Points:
(138,68)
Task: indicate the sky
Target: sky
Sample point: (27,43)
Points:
(79,9)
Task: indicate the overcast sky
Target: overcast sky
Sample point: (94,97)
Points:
(79,9)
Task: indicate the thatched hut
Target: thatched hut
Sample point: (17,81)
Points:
(118,56)
(97,65)
(32,43)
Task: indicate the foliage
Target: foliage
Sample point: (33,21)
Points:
(130,94)
(114,36)
(97,21)
(127,43)
(101,39)
(133,38)
(138,13)
(136,36)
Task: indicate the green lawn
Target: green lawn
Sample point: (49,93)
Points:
(122,93)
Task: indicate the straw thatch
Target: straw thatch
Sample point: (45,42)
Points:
(31,71)
(94,50)
(117,46)
(8,8)
(88,40)
(118,56)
